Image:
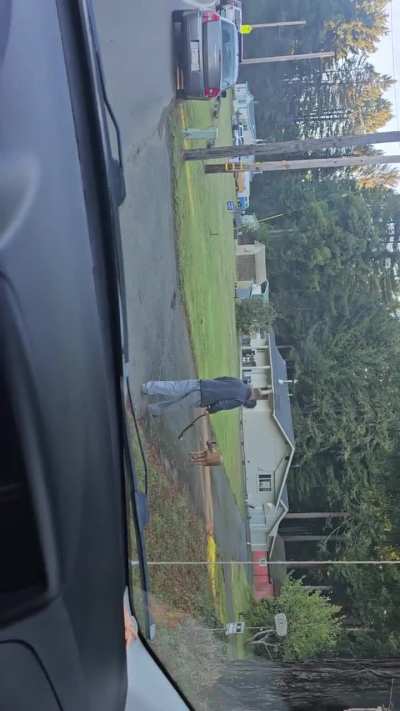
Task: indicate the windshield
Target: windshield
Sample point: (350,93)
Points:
(262,292)
(229,54)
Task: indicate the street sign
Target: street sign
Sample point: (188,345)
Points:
(234,628)
(230,205)
(245,29)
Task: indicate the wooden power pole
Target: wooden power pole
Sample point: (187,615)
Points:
(306,538)
(308,145)
(246,29)
(288,58)
(288,165)
(315,514)
(265,25)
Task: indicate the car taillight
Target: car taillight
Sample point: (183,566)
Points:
(210,93)
(210,16)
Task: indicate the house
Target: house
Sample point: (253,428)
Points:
(243,180)
(243,112)
(254,291)
(244,129)
(268,449)
(250,264)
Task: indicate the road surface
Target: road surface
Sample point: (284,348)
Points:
(137,49)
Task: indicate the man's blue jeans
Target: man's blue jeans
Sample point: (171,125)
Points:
(175,391)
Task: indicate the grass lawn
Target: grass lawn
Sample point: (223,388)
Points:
(187,602)
(182,599)
(206,253)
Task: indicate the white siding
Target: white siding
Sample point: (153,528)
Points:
(265,449)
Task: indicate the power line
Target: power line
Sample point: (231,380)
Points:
(288,563)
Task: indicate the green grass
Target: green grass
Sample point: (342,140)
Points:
(181,600)
(206,254)
(240,593)
(172,517)
(182,603)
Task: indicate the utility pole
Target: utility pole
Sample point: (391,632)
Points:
(316,514)
(263,25)
(287,165)
(309,538)
(308,145)
(288,58)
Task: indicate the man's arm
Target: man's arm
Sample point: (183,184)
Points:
(223,405)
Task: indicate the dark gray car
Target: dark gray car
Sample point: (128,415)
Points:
(207,53)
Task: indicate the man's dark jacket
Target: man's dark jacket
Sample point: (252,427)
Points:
(223,394)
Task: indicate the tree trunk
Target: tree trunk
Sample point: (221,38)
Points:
(339,684)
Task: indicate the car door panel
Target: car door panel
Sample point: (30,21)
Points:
(58,369)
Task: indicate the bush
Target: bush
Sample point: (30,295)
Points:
(254,314)
(314,625)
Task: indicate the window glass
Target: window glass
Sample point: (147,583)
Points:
(306,551)
(264,482)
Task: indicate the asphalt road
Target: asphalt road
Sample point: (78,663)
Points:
(137,49)
(136,40)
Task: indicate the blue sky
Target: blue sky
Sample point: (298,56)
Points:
(387,61)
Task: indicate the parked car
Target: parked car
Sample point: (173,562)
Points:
(232,10)
(207,53)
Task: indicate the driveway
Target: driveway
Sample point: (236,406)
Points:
(137,49)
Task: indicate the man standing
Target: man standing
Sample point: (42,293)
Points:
(217,394)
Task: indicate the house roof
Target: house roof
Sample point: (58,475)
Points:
(282,412)
(281,401)
(251,264)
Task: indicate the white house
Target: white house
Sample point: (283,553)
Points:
(243,121)
(268,440)
(243,111)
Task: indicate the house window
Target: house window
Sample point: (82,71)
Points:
(264,482)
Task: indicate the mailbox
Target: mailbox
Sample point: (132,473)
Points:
(281,625)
